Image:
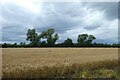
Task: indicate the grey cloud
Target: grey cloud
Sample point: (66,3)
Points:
(111,8)
(14,14)
(13,33)
(91,27)
(59,20)
(119,9)
(62,17)
(106,41)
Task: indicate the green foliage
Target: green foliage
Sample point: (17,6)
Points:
(85,73)
(82,38)
(105,73)
(68,42)
(90,39)
(50,36)
(33,37)
(85,39)
(43,43)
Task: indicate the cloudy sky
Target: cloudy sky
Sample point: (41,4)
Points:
(67,18)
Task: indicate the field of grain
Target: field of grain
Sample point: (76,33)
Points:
(19,60)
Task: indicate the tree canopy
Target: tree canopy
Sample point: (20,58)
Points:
(33,37)
(68,42)
(48,38)
(85,39)
(50,35)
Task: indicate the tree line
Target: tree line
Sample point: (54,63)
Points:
(48,38)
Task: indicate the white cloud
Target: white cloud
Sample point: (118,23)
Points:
(93,18)
(32,5)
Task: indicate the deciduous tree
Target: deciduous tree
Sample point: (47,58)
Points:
(33,37)
(50,36)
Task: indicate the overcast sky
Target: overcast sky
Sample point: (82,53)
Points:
(67,18)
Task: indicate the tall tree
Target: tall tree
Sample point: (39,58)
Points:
(68,42)
(50,36)
(84,39)
(33,37)
(90,39)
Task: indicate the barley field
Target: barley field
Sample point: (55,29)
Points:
(59,62)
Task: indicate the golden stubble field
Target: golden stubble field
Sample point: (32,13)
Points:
(51,56)
(15,58)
